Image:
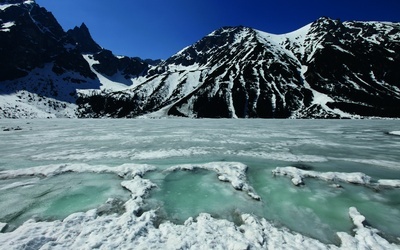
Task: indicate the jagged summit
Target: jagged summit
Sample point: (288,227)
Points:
(84,40)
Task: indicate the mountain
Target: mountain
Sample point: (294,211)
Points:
(327,69)
(43,68)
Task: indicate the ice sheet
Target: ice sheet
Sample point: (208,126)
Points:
(56,149)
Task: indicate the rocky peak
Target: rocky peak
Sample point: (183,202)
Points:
(83,39)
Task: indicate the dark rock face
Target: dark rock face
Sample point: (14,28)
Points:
(83,40)
(34,39)
(110,65)
(26,45)
(357,67)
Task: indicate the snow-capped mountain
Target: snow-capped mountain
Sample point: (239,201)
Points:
(42,67)
(327,69)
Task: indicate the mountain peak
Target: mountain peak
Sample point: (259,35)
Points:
(326,24)
(83,39)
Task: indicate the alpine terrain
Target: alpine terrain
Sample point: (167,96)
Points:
(327,69)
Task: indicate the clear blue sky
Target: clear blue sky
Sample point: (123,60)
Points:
(159,28)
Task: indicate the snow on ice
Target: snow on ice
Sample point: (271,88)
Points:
(298,175)
(233,172)
(88,230)
(394,133)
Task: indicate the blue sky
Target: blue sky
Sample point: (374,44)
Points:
(159,28)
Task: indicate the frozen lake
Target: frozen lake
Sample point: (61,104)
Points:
(154,175)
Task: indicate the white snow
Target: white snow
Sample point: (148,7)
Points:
(322,99)
(233,172)
(57,169)
(365,237)
(5,27)
(11,107)
(389,183)
(36,95)
(296,37)
(114,83)
(298,175)
(5,6)
(89,231)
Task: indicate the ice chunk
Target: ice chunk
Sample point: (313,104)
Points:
(365,237)
(57,169)
(389,183)
(394,133)
(233,172)
(298,175)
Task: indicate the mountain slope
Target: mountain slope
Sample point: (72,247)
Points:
(327,69)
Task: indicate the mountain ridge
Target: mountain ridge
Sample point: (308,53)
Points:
(326,69)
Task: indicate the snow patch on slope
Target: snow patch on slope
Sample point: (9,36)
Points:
(115,83)
(43,94)
(5,27)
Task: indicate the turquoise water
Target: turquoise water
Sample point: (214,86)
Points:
(316,209)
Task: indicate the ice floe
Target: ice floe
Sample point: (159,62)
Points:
(57,169)
(394,133)
(298,175)
(365,237)
(389,183)
(233,172)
